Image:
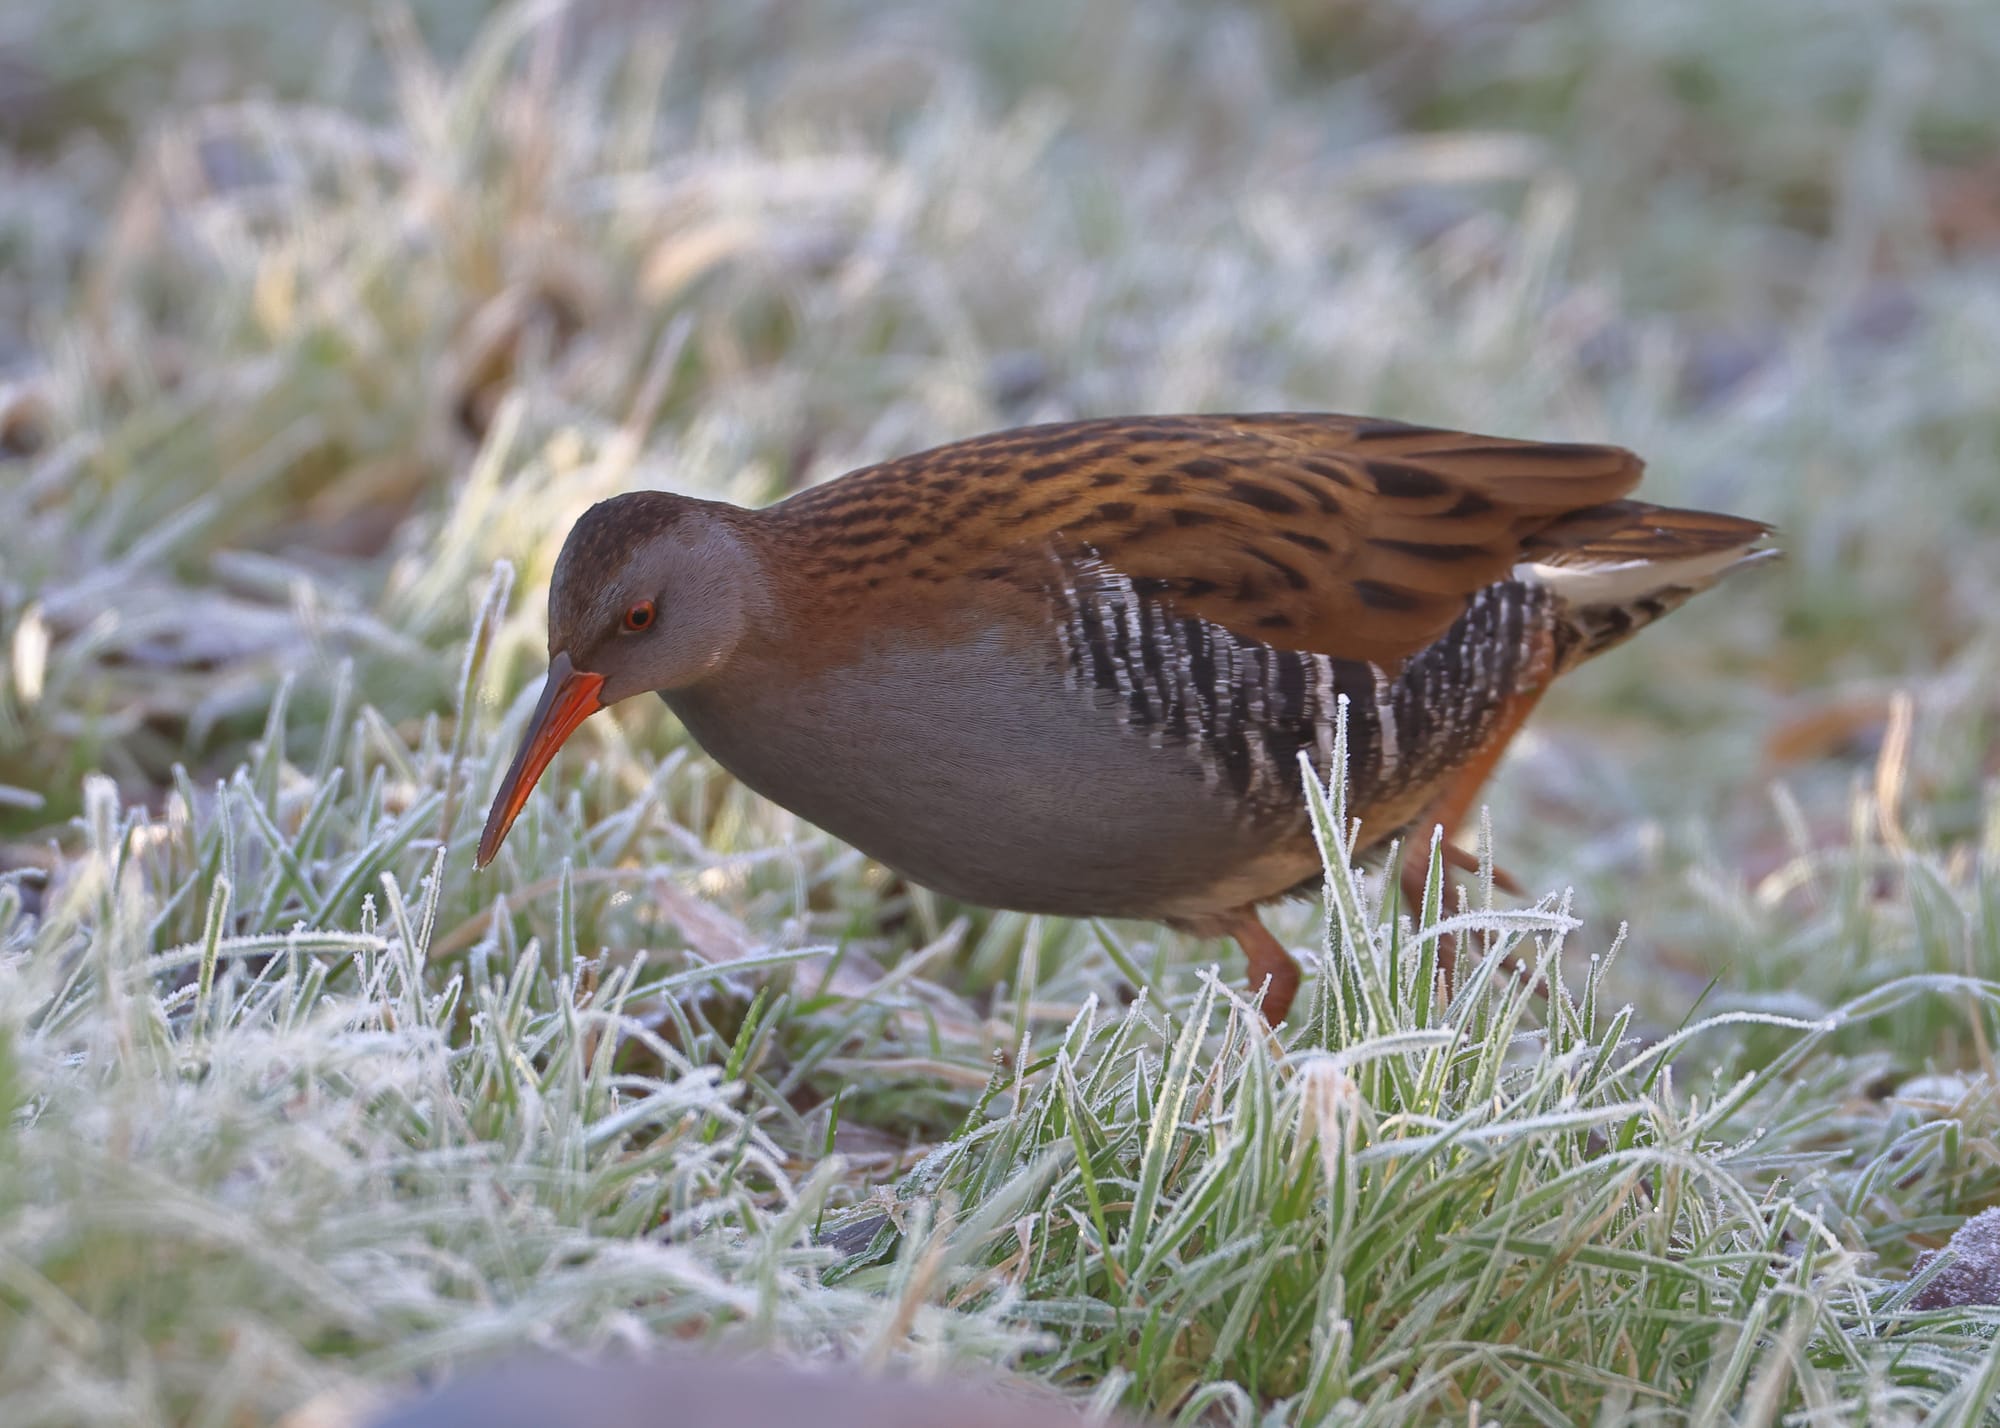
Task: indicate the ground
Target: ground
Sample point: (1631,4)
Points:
(319,325)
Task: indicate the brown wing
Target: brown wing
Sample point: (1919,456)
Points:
(1342,535)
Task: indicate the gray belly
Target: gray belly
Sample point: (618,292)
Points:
(975,771)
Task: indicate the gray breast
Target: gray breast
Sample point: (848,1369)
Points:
(996,776)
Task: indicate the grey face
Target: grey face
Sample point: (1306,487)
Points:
(650,592)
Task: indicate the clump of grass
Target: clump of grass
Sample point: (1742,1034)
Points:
(1497,1206)
(254,1156)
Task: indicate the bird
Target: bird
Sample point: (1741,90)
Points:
(1084,668)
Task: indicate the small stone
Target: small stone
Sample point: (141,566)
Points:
(1973,1276)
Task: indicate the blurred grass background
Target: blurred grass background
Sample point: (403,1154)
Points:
(309,317)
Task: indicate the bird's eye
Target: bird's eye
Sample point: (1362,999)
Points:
(639,617)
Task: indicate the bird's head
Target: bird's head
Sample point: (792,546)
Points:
(652,591)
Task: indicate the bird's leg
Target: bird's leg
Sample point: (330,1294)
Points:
(1448,810)
(1269,961)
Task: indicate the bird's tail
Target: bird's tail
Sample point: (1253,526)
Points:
(1616,568)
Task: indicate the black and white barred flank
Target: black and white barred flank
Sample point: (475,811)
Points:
(1245,710)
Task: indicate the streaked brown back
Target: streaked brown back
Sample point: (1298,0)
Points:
(1346,536)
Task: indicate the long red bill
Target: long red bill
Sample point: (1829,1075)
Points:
(569,698)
